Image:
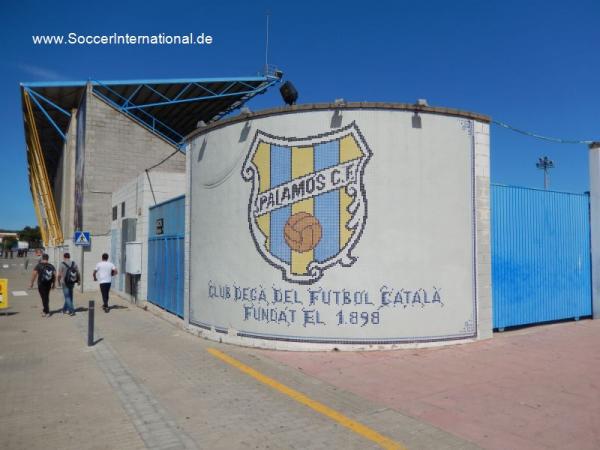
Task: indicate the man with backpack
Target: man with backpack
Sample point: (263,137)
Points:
(46,278)
(68,275)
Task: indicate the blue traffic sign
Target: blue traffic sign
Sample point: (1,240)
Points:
(82,238)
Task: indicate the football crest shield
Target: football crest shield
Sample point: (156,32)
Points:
(307,207)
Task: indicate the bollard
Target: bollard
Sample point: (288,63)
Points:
(91,323)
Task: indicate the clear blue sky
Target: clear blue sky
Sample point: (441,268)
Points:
(532,64)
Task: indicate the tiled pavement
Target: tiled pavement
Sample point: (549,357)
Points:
(148,384)
(533,388)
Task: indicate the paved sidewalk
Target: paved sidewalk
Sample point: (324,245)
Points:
(534,388)
(51,393)
(148,384)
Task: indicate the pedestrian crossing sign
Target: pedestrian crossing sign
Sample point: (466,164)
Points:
(82,238)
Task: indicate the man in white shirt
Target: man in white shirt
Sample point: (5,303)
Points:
(103,274)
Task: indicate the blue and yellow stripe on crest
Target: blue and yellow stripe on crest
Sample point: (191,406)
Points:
(281,172)
(303,163)
(327,206)
(348,151)
(262,161)
(277,165)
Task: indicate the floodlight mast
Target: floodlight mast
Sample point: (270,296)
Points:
(545,164)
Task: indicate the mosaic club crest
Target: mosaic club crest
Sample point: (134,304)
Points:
(308,206)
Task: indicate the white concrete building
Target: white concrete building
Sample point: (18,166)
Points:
(131,204)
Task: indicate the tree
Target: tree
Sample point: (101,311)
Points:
(31,235)
(9,242)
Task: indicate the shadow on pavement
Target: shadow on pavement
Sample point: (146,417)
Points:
(117,307)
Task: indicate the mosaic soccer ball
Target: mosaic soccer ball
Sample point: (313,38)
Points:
(302,232)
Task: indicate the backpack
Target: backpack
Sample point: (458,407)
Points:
(71,275)
(47,273)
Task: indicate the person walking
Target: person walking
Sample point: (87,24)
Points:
(103,274)
(46,278)
(68,275)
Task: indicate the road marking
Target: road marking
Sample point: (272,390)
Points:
(19,293)
(334,415)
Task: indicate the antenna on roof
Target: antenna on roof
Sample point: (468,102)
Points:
(267,46)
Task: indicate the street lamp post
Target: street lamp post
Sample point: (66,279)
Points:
(545,164)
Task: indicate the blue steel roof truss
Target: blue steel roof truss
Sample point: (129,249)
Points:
(148,121)
(144,104)
(169,108)
(146,109)
(36,99)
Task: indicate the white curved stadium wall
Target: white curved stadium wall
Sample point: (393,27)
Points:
(353,229)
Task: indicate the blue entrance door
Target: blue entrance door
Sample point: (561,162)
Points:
(166,255)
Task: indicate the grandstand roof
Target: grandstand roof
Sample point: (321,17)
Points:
(170,108)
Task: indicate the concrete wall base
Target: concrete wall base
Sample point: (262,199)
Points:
(311,347)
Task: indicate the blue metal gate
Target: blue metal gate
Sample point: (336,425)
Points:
(541,267)
(166,255)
